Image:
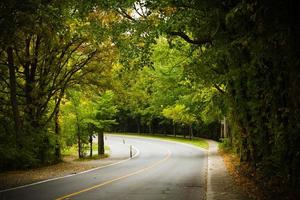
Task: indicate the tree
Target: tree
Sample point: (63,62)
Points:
(239,55)
(106,110)
(247,50)
(76,112)
(49,48)
(84,116)
(180,114)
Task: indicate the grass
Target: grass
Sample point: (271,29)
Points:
(69,151)
(73,151)
(94,157)
(198,142)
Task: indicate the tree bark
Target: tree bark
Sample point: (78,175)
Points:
(79,140)
(150,128)
(57,149)
(79,146)
(138,125)
(191,132)
(201,41)
(91,145)
(174,129)
(13,93)
(100,143)
(29,109)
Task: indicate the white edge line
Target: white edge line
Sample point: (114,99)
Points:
(83,172)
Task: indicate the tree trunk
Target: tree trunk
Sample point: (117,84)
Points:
(150,127)
(13,93)
(91,145)
(57,148)
(174,129)
(138,126)
(225,128)
(245,152)
(29,109)
(100,143)
(191,132)
(79,139)
(79,146)
(165,130)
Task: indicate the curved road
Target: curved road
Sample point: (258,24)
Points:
(161,170)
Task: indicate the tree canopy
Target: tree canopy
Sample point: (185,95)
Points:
(169,67)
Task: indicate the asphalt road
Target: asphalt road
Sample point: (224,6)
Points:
(162,170)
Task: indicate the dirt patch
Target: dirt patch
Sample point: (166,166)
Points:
(69,166)
(243,176)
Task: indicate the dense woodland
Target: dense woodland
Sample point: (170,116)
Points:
(70,70)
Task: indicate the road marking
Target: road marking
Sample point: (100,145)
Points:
(119,178)
(83,172)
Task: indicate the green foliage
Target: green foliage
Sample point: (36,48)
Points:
(179,114)
(146,94)
(84,115)
(190,62)
(248,51)
(106,110)
(46,47)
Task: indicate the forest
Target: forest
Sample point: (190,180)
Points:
(71,70)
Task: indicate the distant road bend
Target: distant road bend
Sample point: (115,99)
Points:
(162,170)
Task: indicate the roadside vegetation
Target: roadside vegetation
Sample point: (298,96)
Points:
(71,70)
(71,153)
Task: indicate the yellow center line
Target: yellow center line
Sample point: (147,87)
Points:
(117,179)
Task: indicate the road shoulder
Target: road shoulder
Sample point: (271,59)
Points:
(220,185)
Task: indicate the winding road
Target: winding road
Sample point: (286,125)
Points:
(159,170)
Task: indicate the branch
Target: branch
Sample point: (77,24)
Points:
(65,84)
(56,107)
(77,67)
(4,80)
(189,40)
(137,11)
(219,89)
(34,63)
(142,6)
(124,14)
(61,65)
(64,81)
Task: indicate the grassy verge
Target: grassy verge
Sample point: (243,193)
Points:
(94,157)
(198,142)
(72,151)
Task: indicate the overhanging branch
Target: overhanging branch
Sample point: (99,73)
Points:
(125,14)
(189,40)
